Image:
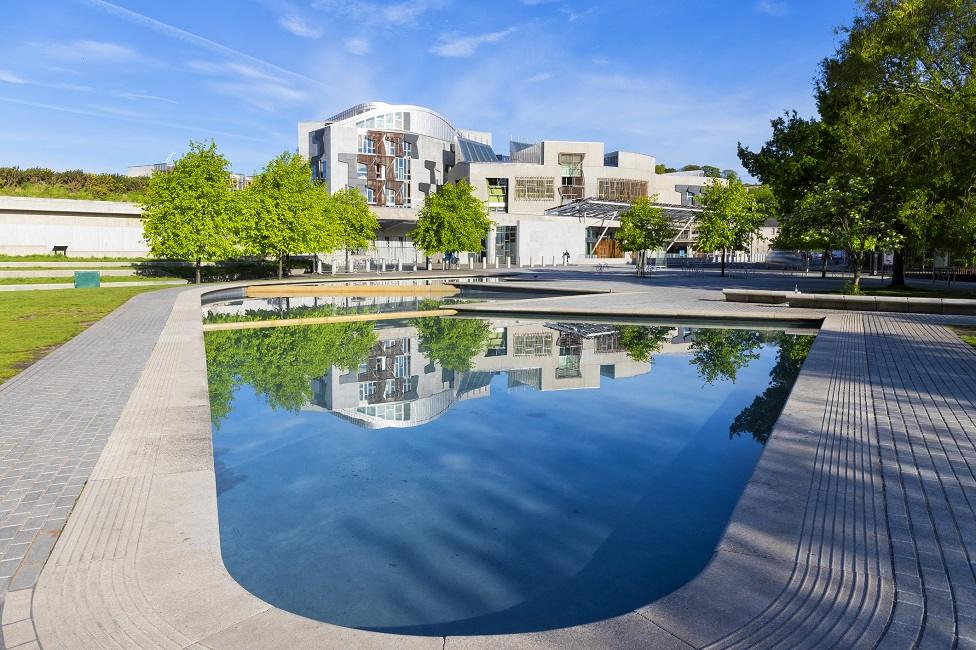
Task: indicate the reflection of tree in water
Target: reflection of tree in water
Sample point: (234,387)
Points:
(280,362)
(641,342)
(452,342)
(722,353)
(759,417)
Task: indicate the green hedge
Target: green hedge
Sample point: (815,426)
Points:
(74,183)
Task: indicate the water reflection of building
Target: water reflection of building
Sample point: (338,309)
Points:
(398,386)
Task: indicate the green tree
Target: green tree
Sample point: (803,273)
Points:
(759,418)
(354,223)
(644,227)
(722,353)
(187,213)
(452,219)
(731,217)
(453,342)
(642,342)
(712,171)
(280,362)
(842,207)
(285,212)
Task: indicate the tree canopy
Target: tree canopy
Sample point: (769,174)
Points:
(759,418)
(352,222)
(284,212)
(896,128)
(644,227)
(642,342)
(731,217)
(721,353)
(453,342)
(188,213)
(451,219)
(280,362)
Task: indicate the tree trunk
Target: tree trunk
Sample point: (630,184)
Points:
(857,262)
(281,266)
(826,256)
(197,269)
(898,269)
(723,262)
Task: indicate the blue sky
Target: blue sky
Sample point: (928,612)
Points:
(97,85)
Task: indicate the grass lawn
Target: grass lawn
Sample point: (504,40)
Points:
(51,257)
(34,322)
(105,279)
(913,292)
(967,334)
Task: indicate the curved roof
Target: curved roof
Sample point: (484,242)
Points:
(423,120)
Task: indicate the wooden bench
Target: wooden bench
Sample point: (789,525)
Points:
(63,250)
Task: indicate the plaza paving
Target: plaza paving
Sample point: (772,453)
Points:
(857,528)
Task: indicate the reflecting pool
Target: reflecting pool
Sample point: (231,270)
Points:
(453,476)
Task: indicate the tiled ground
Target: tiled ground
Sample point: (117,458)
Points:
(57,415)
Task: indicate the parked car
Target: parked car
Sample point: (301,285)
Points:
(784,260)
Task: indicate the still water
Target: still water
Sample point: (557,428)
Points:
(449,476)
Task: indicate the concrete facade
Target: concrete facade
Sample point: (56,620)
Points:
(397,154)
(87,228)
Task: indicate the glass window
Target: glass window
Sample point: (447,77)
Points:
(370,123)
(361,170)
(366,144)
(532,345)
(390,196)
(370,196)
(621,189)
(535,189)
(401,366)
(367,389)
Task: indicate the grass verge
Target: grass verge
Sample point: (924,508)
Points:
(914,292)
(967,334)
(48,191)
(34,322)
(51,257)
(106,279)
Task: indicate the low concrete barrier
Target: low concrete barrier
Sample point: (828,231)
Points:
(954,306)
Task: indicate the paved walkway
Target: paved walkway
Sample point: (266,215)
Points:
(856,529)
(57,415)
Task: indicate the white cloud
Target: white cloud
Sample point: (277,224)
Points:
(357,45)
(771,7)
(542,76)
(189,37)
(11,78)
(396,14)
(133,95)
(299,26)
(456,45)
(86,51)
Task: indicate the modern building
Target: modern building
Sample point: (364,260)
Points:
(398,154)
(397,385)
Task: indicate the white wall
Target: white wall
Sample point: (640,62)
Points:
(87,228)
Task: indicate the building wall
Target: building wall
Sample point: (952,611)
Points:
(87,228)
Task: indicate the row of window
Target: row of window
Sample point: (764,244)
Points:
(528,188)
(626,190)
(367,389)
(391,147)
(385,121)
